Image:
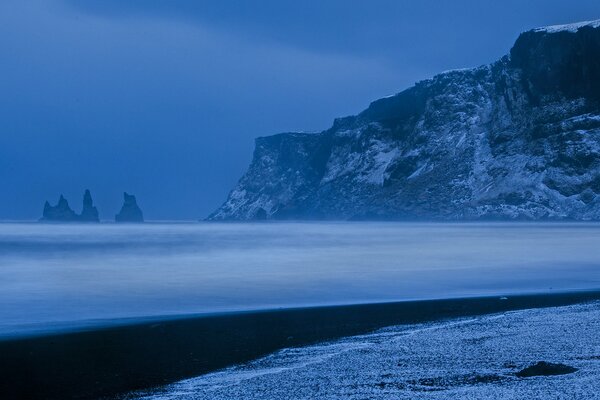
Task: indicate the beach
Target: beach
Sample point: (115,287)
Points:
(547,353)
(106,363)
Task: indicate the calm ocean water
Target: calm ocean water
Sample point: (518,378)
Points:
(65,276)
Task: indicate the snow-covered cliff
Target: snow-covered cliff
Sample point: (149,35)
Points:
(517,139)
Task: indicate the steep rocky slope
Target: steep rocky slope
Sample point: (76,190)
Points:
(517,139)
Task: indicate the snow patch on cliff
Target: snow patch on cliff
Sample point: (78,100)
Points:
(568,27)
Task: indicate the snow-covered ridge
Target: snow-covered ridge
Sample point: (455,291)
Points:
(516,139)
(568,27)
(451,71)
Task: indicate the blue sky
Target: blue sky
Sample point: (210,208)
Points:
(163,98)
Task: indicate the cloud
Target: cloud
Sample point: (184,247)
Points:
(151,105)
(379,29)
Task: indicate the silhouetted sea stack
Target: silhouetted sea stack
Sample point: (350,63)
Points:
(130,212)
(62,212)
(89,213)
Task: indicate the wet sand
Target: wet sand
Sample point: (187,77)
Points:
(539,353)
(105,362)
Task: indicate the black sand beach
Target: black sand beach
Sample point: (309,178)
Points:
(103,363)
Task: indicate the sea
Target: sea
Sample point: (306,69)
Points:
(57,277)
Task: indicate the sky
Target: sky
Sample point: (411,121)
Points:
(164,98)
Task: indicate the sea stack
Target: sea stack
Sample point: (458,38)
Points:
(89,213)
(130,212)
(61,212)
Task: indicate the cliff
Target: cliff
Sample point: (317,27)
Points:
(517,139)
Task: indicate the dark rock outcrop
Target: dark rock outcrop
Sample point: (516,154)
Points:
(89,213)
(130,212)
(544,368)
(517,139)
(61,212)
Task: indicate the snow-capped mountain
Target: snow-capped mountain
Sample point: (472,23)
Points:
(516,139)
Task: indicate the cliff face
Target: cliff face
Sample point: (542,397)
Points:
(517,139)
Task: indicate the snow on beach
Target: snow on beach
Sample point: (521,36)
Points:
(468,358)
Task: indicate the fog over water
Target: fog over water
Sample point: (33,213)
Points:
(54,276)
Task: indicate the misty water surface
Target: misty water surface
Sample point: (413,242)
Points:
(68,275)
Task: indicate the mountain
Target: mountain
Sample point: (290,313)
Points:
(62,212)
(130,211)
(516,139)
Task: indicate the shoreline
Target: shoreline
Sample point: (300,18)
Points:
(543,353)
(109,361)
(59,328)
